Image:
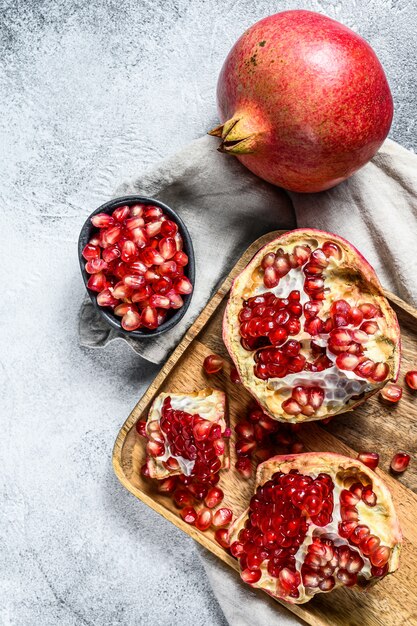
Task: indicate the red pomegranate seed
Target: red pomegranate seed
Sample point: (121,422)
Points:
(222,517)
(331,249)
(122,309)
(189,515)
(297,447)
(183,285)
(316,397)
(183,497)
(391,393)
(222,537)
(95,265)
(102,220)
(245,447)
(131,320)
(369,310)
(129,251)
(175,299)
(355,316)
(380,556)
(167,247)
(357,489)
(91,252)
(204,519)
(411,379)
(181,258)
(245,430)
(135,281)
(97,282)
(380,372)
(213,364)
(251,576)
(369,544)
(369,327)
(112,235)
(400,462)
(168,485)
(347,528)
(149,317)
(234,376)
(244,467)
(271,277)
(142,294)
(213,498)
(359,336)
(346,361)
(365,368)
(347,498)
(368,496)
(144,470)
(155,448)
(370,459)
(105,298)
(159,301)
(121,290)
(268,260)
(291,407)
(141,428)
(301,254)
(150,256)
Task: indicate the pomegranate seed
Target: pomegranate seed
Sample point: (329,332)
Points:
(222,517)
(121,213)
(331,249)
(369,544)
(368,496)
(400,462)
(213,364)
(105,298)
(134,281)
(97,282)
(251,576)
(168,485)
(347,528)
(189,515)
(152,212)
(291,407)
(268,260)
(365,368)
(370,459)
(380,372)
(297,447)
(245,430)
(122,309)
(91,252)
(150,256)
(121,290)
(149,317)
(142,294)
(168,228)
(95,265)
(131,320)
(141,428)
(204,519)
(129,251)
(112,235)
(180,258)
(301,254)
(357,489)
(244,467)
(167,247)
(369,327)
(144,470)
(178,241)
(391,393)
(347,498)
(271,277)
(111,254)
(245,447)
(183,498)
(346,361)
(355,316)
(316,397)
(214,496)
(369,310)
(140,237)
(159,301)
(278,336)
(347,579)
(380,556)
(359,336)
(222,537)
(137,210)
(183,285)
(102,220)
(155,448)
(411,379)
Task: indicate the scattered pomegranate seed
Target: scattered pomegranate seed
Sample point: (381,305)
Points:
(411,379)
(189,515)
(244,467)
(370,459)
(399,463)
(214,496)
(222,537)
(222,517)
(234,376)
(391,392)
(213,364)
(204,519)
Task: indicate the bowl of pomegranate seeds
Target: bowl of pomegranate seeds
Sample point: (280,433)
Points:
(137,262)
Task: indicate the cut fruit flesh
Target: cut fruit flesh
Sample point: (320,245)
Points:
(337,334)
(313,525)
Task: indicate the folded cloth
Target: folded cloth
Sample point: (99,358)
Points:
(226,208)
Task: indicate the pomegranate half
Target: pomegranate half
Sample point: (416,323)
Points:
(185,433)
(317,521)
(303,100)
(309,329)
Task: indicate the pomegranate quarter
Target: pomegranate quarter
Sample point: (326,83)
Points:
(309,329)
(316,522)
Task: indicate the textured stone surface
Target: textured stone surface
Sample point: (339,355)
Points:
(92,93)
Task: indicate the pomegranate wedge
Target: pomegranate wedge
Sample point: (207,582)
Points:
(309,329)
(184,432)
(317,521)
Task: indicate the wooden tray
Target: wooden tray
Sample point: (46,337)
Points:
(373,426)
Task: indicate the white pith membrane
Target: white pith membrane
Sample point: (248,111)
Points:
(350,279)
(209,404)
(381,519)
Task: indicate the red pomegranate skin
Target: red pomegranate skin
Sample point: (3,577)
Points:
(309,98)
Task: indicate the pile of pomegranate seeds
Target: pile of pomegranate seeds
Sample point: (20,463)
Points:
(399,462)
(213,364)
(263,436)
(195,439)
(136,262)
(411,379)
(272,326)
(277,525)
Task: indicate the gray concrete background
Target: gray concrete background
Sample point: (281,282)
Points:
(92,93)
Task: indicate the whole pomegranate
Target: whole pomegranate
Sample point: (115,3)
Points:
(309,329)
(317,521)
(303,100)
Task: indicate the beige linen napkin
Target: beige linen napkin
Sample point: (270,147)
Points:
(226,208)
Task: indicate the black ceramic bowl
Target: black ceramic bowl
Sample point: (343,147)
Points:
(174,315)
